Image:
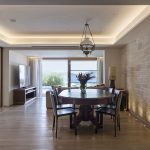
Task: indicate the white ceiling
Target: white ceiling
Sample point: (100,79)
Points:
(33,25)
(74,2)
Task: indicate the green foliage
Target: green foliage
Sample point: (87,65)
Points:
(52,79)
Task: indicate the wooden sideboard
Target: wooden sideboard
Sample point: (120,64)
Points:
(24,95)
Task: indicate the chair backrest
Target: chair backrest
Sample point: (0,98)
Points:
(54,104)
(111,90)
(118,98)
(55,91)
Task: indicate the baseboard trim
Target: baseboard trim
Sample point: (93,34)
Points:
(146,123)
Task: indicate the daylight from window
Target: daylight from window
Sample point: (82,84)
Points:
(83,66)
(56,72)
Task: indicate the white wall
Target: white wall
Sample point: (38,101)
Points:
(11,61)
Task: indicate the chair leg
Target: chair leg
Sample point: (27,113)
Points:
(118,119)
(101,120)
(75,124)
(53,121)
(70,121)
(56,125)
(115,124)
(97,122)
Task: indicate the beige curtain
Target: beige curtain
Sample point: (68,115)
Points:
(36,74)
(100,70)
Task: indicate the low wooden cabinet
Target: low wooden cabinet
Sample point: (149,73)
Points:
(23,95)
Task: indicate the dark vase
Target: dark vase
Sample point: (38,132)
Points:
(83,88)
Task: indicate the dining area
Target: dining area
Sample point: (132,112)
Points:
(31,127)
(87,108)
(63,105)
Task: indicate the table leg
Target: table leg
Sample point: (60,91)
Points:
(86,113)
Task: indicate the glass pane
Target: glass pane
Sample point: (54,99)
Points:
(54,72)
(74,79)
(84,65)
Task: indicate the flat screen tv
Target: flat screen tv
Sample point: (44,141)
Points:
(24,76)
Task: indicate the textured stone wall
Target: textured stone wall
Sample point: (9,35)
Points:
(135,75)
(0,78)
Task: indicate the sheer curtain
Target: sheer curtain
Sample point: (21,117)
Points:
(100,70)
(36,74)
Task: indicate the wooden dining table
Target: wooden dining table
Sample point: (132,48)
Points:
(86,101)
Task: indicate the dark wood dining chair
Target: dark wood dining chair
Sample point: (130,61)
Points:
(62,112)
(112,111)
(59,104)
(110,101)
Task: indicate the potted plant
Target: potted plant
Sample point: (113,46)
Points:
(83,79)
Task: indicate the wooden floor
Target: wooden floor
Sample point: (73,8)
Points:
(29,127)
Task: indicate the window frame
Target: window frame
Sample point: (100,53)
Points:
(83,70)
(69,64)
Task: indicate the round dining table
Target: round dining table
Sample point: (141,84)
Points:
(86,101)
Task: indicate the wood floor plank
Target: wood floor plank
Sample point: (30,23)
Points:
(29,127)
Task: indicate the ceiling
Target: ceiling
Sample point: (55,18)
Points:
(56,25)
(74,2)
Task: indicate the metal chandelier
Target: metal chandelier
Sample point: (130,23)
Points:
(87,44)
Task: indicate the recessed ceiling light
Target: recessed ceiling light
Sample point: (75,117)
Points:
(12,20)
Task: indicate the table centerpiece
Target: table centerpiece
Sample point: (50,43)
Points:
(83,79)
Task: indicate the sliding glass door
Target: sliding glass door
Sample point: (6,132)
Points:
(54,72)
(62,72)
(83,66)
